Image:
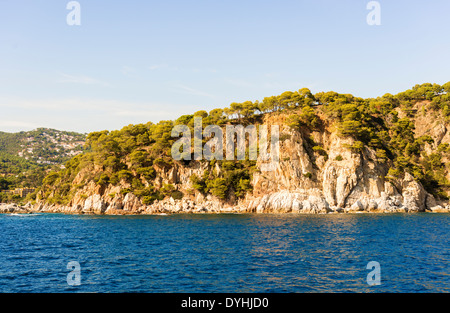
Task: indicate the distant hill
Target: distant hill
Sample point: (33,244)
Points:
(43,145)
(26,157)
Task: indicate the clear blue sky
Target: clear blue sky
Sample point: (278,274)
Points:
(136,61)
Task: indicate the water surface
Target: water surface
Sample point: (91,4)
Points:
(225,253)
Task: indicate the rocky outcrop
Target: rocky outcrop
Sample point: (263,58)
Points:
(14,208)
(302,201)
(332,179)
(94,204)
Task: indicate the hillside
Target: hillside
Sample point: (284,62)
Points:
(338,153)
(43,145)
(26,157)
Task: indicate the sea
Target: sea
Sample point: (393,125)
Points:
(225,253)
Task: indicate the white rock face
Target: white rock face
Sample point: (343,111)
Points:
(94,204)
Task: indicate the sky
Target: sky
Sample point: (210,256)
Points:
(131,62)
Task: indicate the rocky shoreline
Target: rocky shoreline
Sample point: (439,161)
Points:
(278,203)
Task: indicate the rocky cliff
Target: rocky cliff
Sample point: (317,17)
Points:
(337,180)
(323,168)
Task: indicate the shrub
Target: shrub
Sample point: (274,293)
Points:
(177,195)
(148,199)
(381,155)
(309,117)
(320,150)
(148,173)
(125,175)
(125,191)
(243,187)
(167,189)
(218,187)
(197,183)
(136,183)
(394,173)
(350,128)
(151,198)
(51,178)
(143,192)
(163,163)
(140,159)
(114,179)
(357,146)
(103,180)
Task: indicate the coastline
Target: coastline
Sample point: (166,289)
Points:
(171,207)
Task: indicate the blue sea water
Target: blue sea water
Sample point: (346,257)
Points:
(225,253)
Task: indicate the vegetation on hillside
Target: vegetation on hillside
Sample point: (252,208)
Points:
(131,155)
(27,157)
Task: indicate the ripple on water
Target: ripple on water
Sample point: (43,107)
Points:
(225,253)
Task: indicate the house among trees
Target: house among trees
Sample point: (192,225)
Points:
(22,192)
